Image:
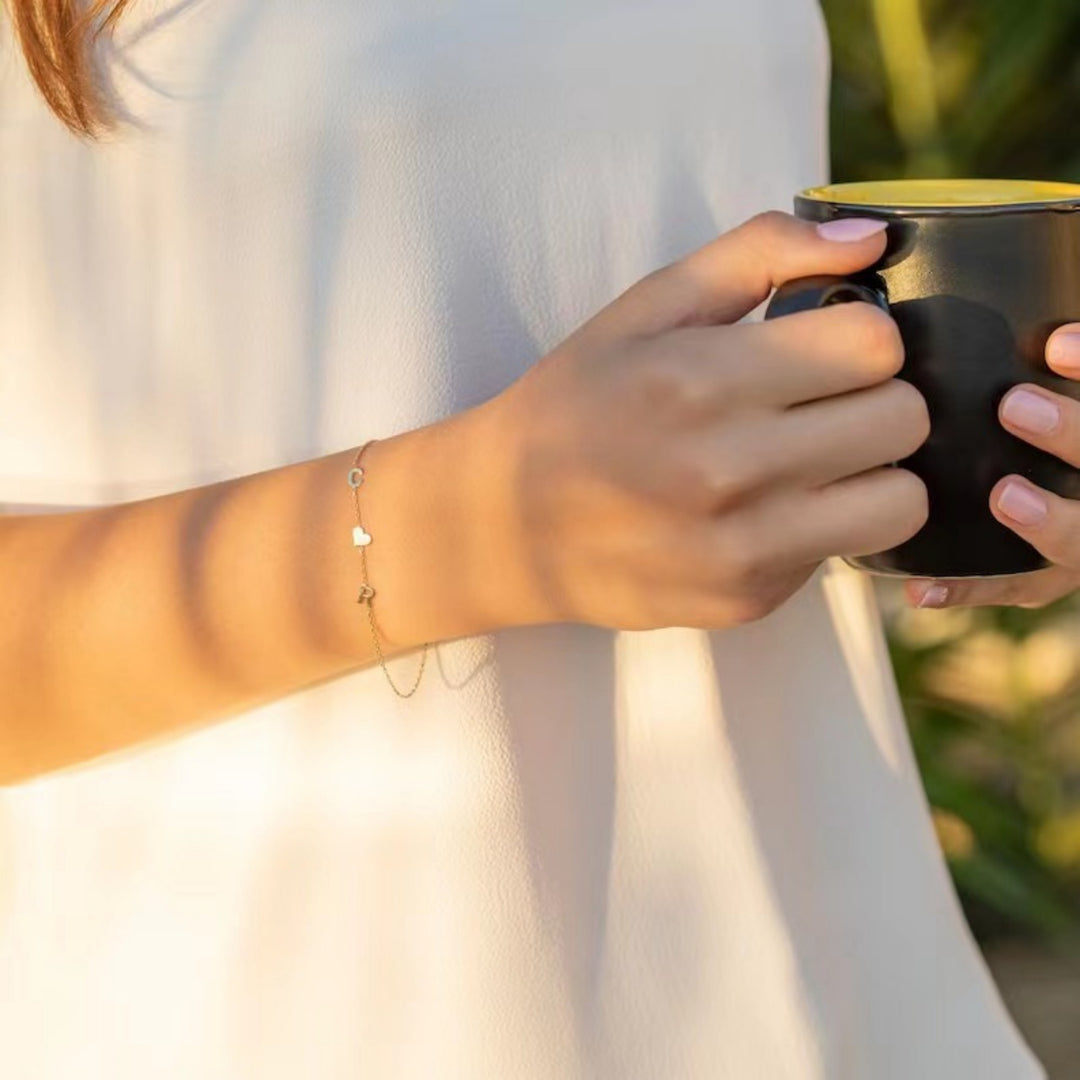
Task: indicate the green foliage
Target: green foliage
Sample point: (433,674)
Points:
(979,88)
(994,712)
(1004,74)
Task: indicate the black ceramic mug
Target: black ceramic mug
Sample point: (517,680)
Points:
(977,274)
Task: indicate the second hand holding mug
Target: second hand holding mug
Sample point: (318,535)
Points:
(977,275)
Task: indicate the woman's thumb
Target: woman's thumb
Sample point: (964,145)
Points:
(728,277)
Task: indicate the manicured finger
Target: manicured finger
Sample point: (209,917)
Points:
(1033,590)
(1063,350)
(728,277)
(1047,420)
(1048,522)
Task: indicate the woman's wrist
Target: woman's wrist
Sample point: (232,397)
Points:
(448,557)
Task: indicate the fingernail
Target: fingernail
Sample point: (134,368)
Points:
(1031,411)
(1022,504)
(848,230)
(1063,349)
(933,595)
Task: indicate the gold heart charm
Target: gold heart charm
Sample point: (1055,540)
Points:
(359,537)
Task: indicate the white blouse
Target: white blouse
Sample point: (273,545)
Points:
(574,853)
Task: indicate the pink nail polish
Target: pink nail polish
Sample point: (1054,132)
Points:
(1023,504)
(934,595)
(849,230)
(1031,412)
(1063,350)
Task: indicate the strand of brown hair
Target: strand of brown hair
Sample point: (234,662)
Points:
(57,39)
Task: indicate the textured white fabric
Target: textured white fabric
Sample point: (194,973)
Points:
(574,853)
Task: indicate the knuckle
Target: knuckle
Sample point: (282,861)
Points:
(674,389)
(768,224)
(910,413)
(911,502)
(721,477)
(765,231)
(718,484)
(896,508)
(875,335)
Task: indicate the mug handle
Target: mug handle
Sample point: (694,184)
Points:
(808,293)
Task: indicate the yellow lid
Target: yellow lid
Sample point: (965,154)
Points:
(945,193)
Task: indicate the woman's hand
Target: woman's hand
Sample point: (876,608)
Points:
(1047,521)
(660,467)
(668,466)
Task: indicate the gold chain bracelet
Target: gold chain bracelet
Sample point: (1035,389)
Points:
(361,539)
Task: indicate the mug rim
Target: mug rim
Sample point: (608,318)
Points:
(947,196)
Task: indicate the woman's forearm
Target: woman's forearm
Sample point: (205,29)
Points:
(665,465)
(125,623)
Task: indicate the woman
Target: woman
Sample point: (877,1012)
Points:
(651,810)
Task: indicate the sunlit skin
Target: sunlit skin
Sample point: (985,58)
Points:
(666,465)
(1052,524)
